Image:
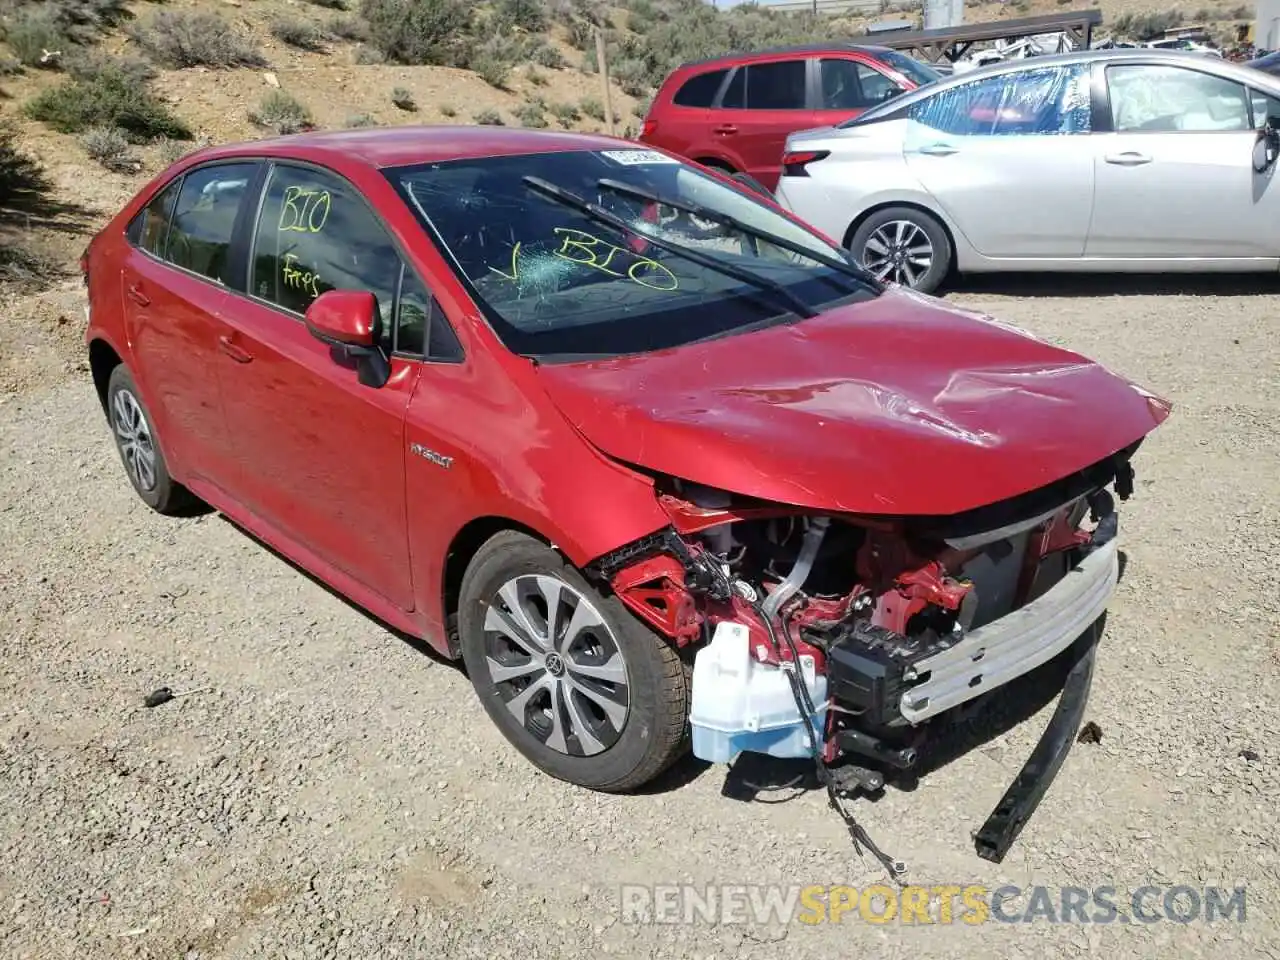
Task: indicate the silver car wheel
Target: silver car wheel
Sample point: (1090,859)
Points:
(133,437)
(556,665)
(899,251)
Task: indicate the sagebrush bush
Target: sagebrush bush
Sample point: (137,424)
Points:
(545,55)
(593,108)
(111,97)
(89,64)
(488,118)
(182,39)
(532,113)
(281,112)
(358,120)
(38,39)
(109,147)
(566,113)
(448,110)
(347,28)
(302,34)
(420,32)
(528,15)
(331,4)
(403,99)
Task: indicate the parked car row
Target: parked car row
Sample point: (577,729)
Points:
(1116,160)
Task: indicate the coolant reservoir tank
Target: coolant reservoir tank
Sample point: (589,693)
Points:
(740,704)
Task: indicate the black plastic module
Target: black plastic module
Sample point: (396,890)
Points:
(867,669)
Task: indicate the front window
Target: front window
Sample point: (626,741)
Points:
(557,282)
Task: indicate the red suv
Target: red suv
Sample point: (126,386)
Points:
(734,112)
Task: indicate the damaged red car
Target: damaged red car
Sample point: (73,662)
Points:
(663,466)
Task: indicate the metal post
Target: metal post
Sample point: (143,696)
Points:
(604,79)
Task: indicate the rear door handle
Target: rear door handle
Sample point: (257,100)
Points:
(238,354)
(1130,158)
(939,150)
(137,296)
(726,129)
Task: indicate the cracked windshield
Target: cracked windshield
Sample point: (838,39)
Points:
(558,278)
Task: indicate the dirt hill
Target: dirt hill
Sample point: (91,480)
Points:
(96,96)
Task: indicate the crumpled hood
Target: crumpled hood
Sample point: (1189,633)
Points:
(898,405)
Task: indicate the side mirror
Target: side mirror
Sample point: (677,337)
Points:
(349,322)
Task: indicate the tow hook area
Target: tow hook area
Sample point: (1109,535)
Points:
(1019,802)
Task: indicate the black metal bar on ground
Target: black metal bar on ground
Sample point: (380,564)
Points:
(1019,802)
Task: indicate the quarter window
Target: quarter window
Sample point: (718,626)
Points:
(1264,108)
(699,91)
(1041,101)
(1155,99)
(150,228)
(205,217)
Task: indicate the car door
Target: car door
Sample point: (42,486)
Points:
(763,102)
(847,86)
(323,455)
(174,284)
(1007,158)
(1174,173)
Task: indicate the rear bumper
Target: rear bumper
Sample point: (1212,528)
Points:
(1018,642)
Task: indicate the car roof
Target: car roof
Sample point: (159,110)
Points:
(1224,68)
(744,55)
(400,146)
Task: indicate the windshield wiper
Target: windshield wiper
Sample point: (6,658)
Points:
(601,215)
(728,220)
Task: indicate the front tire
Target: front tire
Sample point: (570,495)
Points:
(578,685)
(136,442)
(904,245)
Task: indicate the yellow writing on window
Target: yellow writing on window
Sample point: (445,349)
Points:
(304,210)
(588,250)
(298,278)
(578,246)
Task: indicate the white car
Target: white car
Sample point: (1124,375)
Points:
(1117,160)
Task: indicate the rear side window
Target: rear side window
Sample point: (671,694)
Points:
(205,217)
(699,91)
(777,86)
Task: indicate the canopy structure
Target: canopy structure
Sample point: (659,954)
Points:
(951,43)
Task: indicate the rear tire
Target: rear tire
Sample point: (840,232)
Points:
(904,245)
(597,700)
(139,447)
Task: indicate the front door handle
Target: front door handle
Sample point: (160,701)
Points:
(238,354)
(1130,158)
(938,150)
(137,296)
(726,129)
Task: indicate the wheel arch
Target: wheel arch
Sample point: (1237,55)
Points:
(462,548)
(718,163)
(103,359)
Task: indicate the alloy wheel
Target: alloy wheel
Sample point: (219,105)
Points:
(133,437)
(899,251)
(556,665)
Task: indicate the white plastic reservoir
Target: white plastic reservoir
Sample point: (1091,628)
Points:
(740,704)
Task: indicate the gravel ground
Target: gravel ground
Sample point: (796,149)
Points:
(339,793)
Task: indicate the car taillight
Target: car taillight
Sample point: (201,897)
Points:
(648,128)
(795,162)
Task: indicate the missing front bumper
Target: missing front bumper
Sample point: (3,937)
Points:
(1018,642)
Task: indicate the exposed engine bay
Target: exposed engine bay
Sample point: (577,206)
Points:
(882,626)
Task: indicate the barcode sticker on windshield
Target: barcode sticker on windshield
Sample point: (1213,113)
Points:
(633,157)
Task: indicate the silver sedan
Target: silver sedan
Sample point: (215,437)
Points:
(1117,160)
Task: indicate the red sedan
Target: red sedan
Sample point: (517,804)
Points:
(661,464)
